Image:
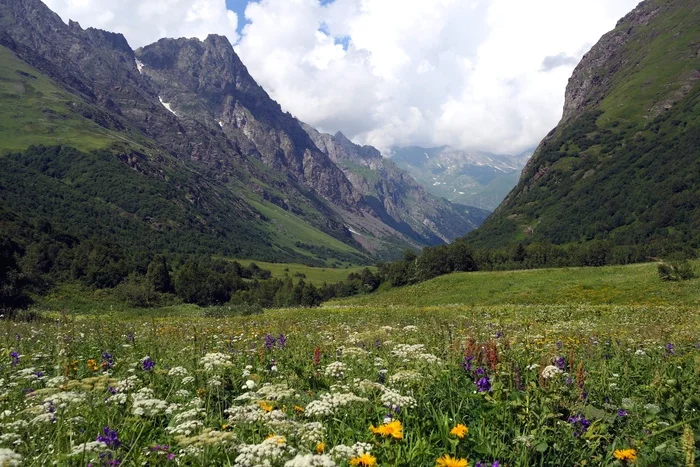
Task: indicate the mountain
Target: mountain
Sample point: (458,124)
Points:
(401,202)
(623,165)
(472,178)
(177,145)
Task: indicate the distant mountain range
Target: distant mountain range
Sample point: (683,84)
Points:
(478,179)
(176,146)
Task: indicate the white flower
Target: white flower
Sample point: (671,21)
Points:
(345,453)
(328,404)
(534,366)
(188,380)
(310,460)
(271,450)
(250,385)
(335,369)
(185,428)
(213,360)
(91,446)
(56,381)
(119,398)
(550,371)
(9,458)
(178,371)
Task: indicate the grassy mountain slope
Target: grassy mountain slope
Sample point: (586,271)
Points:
(624,163)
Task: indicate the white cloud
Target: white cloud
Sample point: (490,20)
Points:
(477,74)
(145,21)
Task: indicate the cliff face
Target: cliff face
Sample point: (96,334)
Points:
(626,138)
(396,196)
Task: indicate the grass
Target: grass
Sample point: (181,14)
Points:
(535,385)
(287,229)
(313,275)
(611,285)
(34,110)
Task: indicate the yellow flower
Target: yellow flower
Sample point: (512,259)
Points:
(321,448)
(447,461)
(299,409)
(625,455)
(365,460)
(460,431)
(92,365)
(265,406)
(393,429)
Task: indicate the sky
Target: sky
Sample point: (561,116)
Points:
(484,75)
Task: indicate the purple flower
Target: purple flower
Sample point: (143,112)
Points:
(670,349)
(484,384)
(622,413)
(499,334)
(282,341)
(560,362)
(270,341)
(148,364)
(110,438)
(112,390)
(107,360)
(467,363)
(580,424)
(15,358)
(569,381)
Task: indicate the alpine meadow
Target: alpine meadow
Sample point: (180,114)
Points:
(318,233)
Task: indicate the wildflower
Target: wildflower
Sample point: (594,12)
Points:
(448,461)
(392,429)
(560,363)
(321,448)
(147,364)
(299,409)
(107,361)
(625,455)
(688,444)
(317,356)
(15,358)
(580,424)
(550,371)
(622,413)
(282,341)
(110,438)
(460,431)
(267,407)
(484,384)
(670,349)
(270,341)
(365,460)
(92,365)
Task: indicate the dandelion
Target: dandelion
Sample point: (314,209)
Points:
(448,461)
(392,429)
(460,431)
(365,460)
(321,448)
(627,455)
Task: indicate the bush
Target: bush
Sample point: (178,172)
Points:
(137,292)
(675,270)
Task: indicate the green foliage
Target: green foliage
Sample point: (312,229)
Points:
(158,275)
(676,270)
(13,283)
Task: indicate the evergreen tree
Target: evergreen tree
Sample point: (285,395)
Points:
(158,275)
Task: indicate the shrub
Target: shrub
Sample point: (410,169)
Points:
(676,270)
